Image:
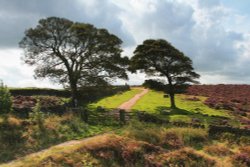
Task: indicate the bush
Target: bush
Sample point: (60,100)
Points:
(190,136)
(185,157)
(241,160)
(244,140)
(229,137)
(10,131)
(38,116)
(11,138)
(172,141)
(217,150)
(144,132)
(5,99)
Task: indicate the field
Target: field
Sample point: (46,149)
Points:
(115,100)
(235,98)
(163,136)
(188,109)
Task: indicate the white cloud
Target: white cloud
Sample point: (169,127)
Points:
(16,74)
(215,36)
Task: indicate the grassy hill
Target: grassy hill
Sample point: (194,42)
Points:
(142,145)
(140,142)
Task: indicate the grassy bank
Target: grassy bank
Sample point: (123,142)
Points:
(143,144)
(116,100)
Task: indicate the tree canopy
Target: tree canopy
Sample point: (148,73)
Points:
(73,54)
(160,59)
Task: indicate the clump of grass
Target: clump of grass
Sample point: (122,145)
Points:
(242,158)
(144,132)
(11,138)
(74,159)
(172,141)
(181,157)
(218,150)
(244,140)
(189,136)
(14,121)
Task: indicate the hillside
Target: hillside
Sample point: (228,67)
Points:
(152,134)
(134,147)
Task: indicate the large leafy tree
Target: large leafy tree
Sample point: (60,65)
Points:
(73,54)
(160,59)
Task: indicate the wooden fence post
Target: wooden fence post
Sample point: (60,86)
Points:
(84,115)
(122,116)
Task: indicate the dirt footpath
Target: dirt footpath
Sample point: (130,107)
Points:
(129,104)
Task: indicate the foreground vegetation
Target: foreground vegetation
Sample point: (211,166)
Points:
(142,141)
(23,136)
(31,124)
(144,144)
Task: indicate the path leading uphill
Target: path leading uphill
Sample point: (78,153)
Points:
(129,104)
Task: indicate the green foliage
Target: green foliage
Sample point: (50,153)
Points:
(5,99)
(159,58)
(159,85)
(38,116)
(74,54)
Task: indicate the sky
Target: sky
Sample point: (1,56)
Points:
(215,34)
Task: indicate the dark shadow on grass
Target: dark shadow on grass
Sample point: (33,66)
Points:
(198,116)
(170,111)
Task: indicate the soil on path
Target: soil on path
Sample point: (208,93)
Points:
(68,146)
(129,104)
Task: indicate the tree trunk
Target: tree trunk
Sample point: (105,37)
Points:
(74,94)
(171,93)
(172,100)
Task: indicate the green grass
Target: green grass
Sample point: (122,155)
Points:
(155,103)
(116,100)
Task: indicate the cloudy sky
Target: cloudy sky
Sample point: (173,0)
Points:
(214,33)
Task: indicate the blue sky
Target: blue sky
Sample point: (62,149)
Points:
(241,6)
(215,34)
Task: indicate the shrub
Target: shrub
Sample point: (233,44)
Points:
(242,159)
(144,132)
(244,140)
(185,157)
(172,141)
(38,116)
(190,136)
(217,150)
(10,131)
(229,137)
(5,99)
